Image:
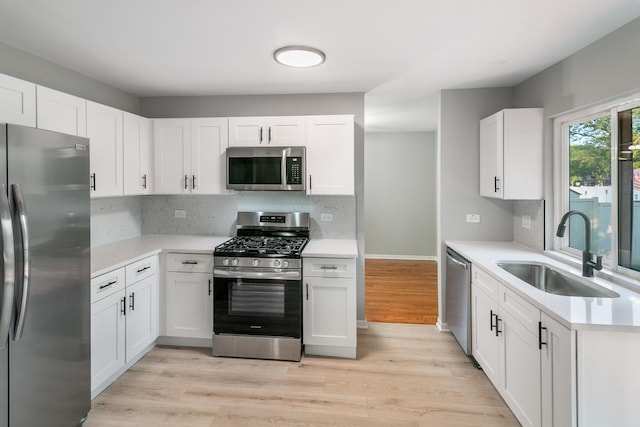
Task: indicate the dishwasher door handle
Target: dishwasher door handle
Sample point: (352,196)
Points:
(455,261)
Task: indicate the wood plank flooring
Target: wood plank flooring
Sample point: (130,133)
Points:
(405,375)
(401,291)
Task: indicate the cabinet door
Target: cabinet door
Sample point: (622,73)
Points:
(189,305)
(329,314)
(286,131)
(136,155)
(558,366)
(209,141)
(247,131)
(107,338)
(491,155)
(17,101)
(485,340)
(142,315)
(330,155)
(172,156)
(61,112)
(104,130)
(521,371)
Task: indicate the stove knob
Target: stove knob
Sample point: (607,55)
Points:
(225,261)
(234,261)
(256,261)
(285,264)
(276,263)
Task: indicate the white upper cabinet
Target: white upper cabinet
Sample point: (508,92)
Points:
(253,131)
(104,130)
(172,153)
(511,154)
(137,155)
(190,155)
(209,141)
(61,112)
(17,101)
(330,155)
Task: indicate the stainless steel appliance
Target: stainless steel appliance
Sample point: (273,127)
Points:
(458,300)
(266,168)
(257,287)
(45,342)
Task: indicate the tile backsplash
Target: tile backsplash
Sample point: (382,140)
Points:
(216,215)
(531,213)
(114,219)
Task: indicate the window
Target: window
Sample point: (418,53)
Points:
(600,177)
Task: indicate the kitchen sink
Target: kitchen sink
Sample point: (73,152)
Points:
(550,280)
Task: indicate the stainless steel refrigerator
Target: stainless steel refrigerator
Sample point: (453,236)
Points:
(45,331)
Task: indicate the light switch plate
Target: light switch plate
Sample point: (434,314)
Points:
(475,218)
(180,213)
(326,217)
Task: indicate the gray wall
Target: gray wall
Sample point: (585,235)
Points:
(400,207)
(281,105)
(606,69)
(22,65)
(458,169)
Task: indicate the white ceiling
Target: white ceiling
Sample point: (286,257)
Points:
(399,52)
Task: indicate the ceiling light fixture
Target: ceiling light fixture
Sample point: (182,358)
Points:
(299,56)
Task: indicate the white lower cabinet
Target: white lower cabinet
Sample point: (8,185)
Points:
(329,307)
(124,320)
(189,296)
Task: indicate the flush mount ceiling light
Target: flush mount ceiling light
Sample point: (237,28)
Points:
(299,56)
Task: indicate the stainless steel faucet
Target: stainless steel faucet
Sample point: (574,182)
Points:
(587,263)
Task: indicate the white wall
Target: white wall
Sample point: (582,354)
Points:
(400,188)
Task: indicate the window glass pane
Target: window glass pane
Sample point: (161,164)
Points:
(590,183)
(629,188)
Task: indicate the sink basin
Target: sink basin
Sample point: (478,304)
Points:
(552,281)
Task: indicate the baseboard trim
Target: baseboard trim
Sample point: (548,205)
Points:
(402,257)
(363,324)
(442,326)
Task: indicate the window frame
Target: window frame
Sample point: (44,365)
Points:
(561,125)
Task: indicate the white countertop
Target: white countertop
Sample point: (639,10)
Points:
(331,248)
(573,312)
(115,255)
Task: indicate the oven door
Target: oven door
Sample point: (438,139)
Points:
(268,304)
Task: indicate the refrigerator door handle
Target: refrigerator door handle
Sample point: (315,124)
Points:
(23,301)
(8,256)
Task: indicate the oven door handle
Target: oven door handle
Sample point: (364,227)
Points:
(279,275)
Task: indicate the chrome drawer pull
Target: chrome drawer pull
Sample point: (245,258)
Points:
(101,287)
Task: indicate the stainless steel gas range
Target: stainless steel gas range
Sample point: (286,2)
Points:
(257,287)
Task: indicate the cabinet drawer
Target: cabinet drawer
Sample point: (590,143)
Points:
(329,267)
(141,269)
(483,281)
(524,312)
(190,263)
(107,284)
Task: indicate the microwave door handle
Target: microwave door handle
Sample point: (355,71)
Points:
(283,169)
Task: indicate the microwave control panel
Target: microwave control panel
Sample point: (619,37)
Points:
(294,170)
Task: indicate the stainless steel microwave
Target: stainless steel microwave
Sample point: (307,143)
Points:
(266,168)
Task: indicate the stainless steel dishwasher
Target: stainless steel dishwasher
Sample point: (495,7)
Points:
(458,299)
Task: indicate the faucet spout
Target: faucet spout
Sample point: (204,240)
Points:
(588,265)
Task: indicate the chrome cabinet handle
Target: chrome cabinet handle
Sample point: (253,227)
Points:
(186,182)
(307,285)
(193,182)
(190,262)
(21,213)
(8,256)
(140,270)
(123,306)
(210,281)
(144,181)
(540,342)
(269,134)
(132,303)
(260,134)
(496,181)
(92,184)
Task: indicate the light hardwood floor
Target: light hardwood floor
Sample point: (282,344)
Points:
(405,375)
(401,291)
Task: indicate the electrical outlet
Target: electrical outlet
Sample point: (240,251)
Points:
(326,217)
(180,213)
(475,218)
(526,221)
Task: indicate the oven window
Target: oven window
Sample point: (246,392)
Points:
(255,170)
(261,299)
